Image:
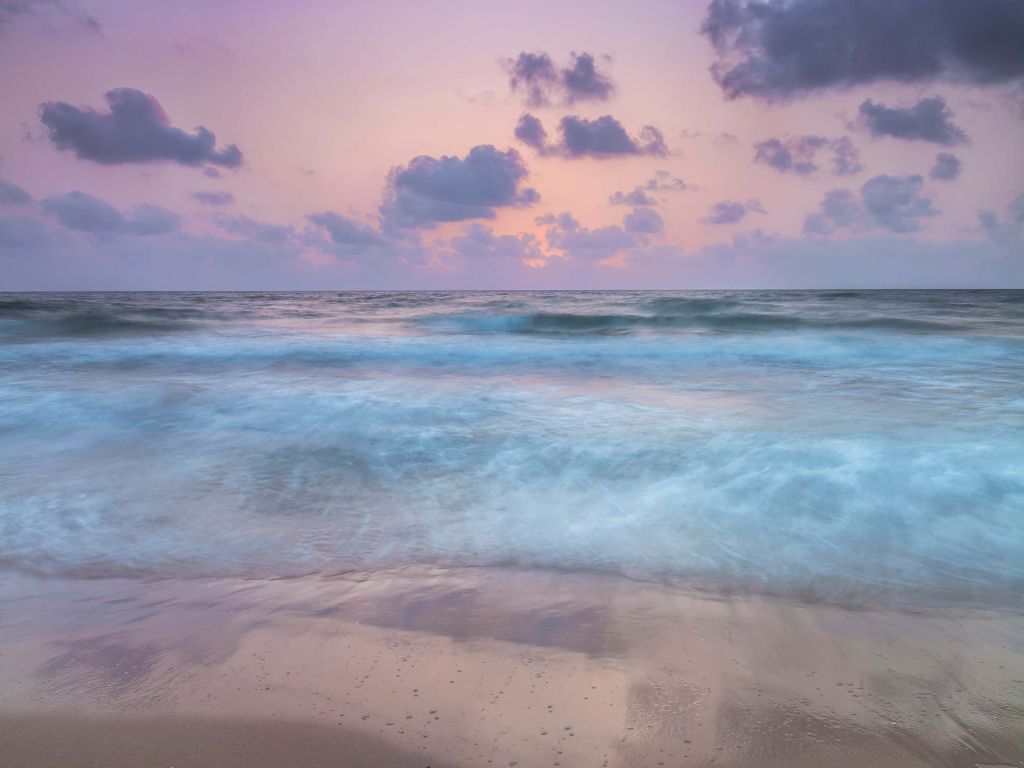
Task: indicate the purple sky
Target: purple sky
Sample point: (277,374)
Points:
(319,144)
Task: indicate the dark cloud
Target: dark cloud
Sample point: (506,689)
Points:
(894,203)
(603,137)
(430,190)
(798,154)
(730,211)
(536,77)
(214,198)
(135,129)
(946,168)
(784,48)
(349,235)
(11,194)
(662,181)
(643,220)
(85,213)
(928,120)
(257,231)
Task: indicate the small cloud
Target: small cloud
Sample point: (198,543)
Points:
(214,198)
(430,190)
(662,181)
(635,198)
(798,154)
(845,157)
(731,212)
(603,137)
(946,168)
(134,129)
(541,83)
(928,120)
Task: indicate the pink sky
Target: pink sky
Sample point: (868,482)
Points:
(324,99)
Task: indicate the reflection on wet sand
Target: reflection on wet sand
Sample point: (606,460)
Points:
(470,667)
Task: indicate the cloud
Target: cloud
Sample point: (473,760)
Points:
(430,190)
(928,120)
(530,131)
(1008,230)
(257,231)
(153,220)
(946,168)
(601,138)
(86,213)
(840,208)
(894,203)
(662,181)
(21,232)
(536,78)
(11,194)
(730,211)
(477,242)
(795,155)
(13,10)
(637,197)
(214,198)
(784,48)
(643,220)
(566,234)
(798,154)
(134,129)
(845,157)
(347,235)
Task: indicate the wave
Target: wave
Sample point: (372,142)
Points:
(563,323)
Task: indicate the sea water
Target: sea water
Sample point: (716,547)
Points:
(850,446)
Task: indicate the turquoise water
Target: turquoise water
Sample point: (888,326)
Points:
(852,446)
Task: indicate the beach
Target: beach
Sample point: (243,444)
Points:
(468,667)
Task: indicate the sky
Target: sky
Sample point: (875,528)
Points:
(323,144)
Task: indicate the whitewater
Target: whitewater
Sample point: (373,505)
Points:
(852,446)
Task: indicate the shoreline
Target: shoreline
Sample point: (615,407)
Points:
(458,667)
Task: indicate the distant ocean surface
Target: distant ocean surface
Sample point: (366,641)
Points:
(837,445)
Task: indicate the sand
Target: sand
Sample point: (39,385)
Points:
(502,667)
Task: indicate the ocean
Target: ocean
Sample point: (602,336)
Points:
(852,446)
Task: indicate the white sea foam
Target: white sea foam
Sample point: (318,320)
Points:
(856,446)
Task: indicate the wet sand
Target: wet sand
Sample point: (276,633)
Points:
(476,667)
